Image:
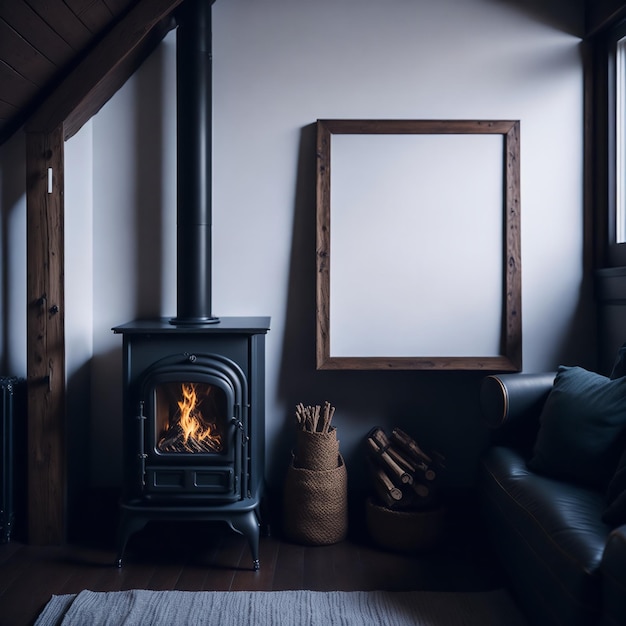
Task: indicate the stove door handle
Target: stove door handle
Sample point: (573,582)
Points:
(142,456)
(239,424)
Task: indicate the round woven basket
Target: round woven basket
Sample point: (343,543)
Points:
(316,451)
(316,504)
(405,531)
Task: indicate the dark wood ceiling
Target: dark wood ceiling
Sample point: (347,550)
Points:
(43,41)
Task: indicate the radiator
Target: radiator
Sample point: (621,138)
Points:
(7,482)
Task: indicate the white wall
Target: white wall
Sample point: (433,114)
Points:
(13,257)
(79,305)
(278,66)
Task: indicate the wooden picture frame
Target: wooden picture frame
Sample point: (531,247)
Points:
(507,354)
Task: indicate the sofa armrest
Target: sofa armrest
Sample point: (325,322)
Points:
(614,578)
(511,405)
(510,398)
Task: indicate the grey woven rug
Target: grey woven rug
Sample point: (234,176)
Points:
(281,608)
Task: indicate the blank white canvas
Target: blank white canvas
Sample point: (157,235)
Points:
(416,245)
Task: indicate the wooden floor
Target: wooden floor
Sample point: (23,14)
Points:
(194,557)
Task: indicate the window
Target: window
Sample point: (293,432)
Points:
(610,140)
(619,122)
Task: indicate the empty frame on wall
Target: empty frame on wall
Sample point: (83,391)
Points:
(418,245)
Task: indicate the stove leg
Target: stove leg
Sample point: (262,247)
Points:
(264,517)
(130,523)
(248,525)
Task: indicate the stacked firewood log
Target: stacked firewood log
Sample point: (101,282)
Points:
(402,475)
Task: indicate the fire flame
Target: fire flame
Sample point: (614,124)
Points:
(190,421)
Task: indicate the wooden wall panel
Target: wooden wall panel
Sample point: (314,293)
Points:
(37,67)
(64,21)
(32,28)
(46,338)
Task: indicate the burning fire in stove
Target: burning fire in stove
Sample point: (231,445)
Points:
(192,428)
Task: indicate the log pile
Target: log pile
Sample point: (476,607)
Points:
(402,475)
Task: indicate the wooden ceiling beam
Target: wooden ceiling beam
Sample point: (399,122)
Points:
(104,69)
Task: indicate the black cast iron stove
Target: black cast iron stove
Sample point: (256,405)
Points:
(194,385)
(194,440)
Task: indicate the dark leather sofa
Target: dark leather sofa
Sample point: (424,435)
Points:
(566,566)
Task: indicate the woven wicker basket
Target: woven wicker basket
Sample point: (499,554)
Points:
(405,531)
(316,451)
(316,504)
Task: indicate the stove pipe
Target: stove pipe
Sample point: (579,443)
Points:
(193,153)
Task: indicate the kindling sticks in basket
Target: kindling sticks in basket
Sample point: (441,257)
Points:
(317,447)
(316,483)
(308,417)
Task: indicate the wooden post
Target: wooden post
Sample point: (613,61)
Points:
(73,102)
(46,337)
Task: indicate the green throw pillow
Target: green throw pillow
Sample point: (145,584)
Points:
(581,428)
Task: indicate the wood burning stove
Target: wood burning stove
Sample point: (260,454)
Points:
(194,443)
(194,385)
